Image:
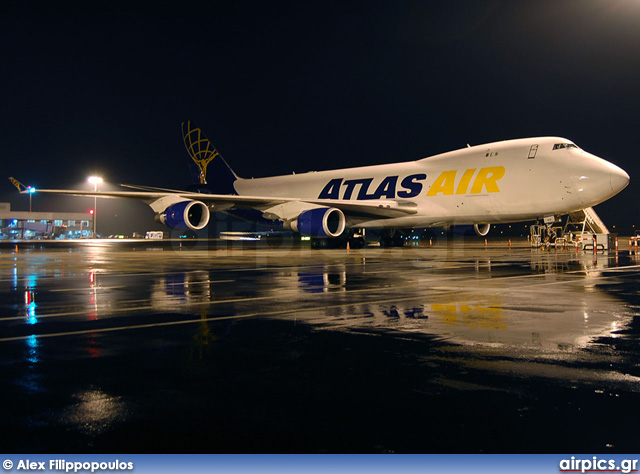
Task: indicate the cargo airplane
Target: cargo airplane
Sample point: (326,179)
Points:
(507,181)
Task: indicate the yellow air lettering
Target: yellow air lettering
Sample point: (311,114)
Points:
(487,178)
(443,184)
(464,182)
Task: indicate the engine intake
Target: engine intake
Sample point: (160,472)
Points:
(482,229)
(320,222)
(192,215)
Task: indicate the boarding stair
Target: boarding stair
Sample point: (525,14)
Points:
(584,227)
(580,227)
(585,220)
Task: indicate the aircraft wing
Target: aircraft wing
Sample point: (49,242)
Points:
(369,208)
(380,207)
(153,195)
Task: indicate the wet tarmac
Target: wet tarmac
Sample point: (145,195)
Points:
(453,348)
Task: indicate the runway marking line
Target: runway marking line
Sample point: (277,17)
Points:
(102,288)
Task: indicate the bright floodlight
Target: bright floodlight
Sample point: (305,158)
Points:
(95,180)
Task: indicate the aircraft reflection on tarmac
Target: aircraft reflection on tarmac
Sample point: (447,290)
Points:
(537,299)
(553,303)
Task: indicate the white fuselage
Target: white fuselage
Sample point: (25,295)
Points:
(509,181)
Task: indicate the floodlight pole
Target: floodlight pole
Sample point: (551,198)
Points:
(95,210)
(95,180)
(30,190)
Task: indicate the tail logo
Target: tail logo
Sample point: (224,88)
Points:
(200,149)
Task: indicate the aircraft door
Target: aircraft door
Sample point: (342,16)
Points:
(532,151)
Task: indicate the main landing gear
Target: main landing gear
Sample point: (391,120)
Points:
(355,241)
(391,238)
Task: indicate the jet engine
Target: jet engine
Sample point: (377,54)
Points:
(482,229)
(320,222)
(192,215)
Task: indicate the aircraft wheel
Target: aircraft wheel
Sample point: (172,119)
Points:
(356,243)
(319,243)
(395,241)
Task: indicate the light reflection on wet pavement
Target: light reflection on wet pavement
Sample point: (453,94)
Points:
(451,348)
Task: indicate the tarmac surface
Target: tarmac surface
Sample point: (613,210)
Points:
(451,348)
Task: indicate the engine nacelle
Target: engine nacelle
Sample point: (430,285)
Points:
(321,222)
(482,229)
(192,215)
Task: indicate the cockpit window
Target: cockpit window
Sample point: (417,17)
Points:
(558,146)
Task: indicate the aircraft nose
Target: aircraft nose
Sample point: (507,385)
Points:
(596,180)
(619,180)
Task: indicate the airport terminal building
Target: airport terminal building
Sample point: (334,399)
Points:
(44,225)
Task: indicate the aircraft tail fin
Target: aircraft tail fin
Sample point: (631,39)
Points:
(207,159)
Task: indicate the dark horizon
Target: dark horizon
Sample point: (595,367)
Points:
(102,89)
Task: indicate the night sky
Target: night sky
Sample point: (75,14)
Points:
(102,87)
